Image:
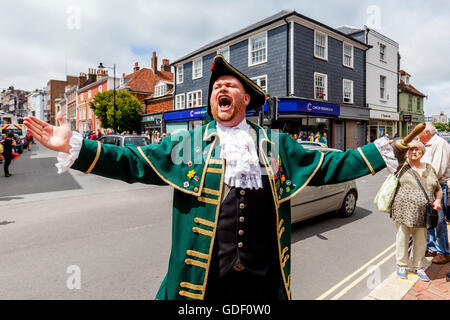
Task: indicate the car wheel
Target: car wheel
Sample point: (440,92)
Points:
(349,204)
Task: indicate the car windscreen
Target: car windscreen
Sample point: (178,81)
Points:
(135,141)
(16,131)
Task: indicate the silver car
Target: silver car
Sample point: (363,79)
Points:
(314,201)
(125,141)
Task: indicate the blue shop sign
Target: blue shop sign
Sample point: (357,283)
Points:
(295,106)
(185,115)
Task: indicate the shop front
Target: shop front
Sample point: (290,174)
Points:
(186,119)
(382,123)
(152,123)
(312,119)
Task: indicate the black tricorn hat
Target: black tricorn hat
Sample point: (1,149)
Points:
(220,67)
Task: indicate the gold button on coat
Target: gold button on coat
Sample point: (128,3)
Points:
(241,219)
(242,206)
(240,244)
(242,192)
(241,232)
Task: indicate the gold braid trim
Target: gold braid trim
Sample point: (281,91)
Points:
(280,224)
(208,200)
(190,295)
(203,221)
(99,149)
(284,251)
(202,231)
(285,259)
(366,161)
(214,170)
(215,161)
(196,263)
(191,286)
(281,232)
(197,254)
(211,191)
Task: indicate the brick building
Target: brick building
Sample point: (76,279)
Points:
(97,81)
(55,90)
(154,89)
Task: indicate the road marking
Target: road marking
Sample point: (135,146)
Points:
(354,273)
(354,283)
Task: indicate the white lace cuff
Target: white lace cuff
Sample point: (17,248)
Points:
(387,153)
(66,160)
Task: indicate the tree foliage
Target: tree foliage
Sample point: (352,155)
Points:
(128,110)
(442,126)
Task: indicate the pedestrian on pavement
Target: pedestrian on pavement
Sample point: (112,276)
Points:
(29,138)
(8,145)
(438,155)
(409,210)
(301,136)
(231,235)
(99,134)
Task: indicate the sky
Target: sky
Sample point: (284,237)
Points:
(47,39)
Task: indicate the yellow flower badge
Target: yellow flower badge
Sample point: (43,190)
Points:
(191,174)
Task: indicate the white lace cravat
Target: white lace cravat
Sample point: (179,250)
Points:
(242,163)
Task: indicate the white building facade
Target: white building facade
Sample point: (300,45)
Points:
(37,104)
(382,79)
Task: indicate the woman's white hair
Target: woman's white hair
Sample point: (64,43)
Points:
(416,143)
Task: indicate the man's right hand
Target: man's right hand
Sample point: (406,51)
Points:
(56,138)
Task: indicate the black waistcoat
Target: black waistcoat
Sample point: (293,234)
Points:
(246,231)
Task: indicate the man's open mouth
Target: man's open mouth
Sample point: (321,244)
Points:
(224,103)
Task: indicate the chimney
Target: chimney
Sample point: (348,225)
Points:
(82,79)
(136,67)
(91,75)
(154,62)
(165,65)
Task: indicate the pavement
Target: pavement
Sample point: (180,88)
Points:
(395,288)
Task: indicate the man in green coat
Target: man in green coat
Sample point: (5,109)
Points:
(232,180)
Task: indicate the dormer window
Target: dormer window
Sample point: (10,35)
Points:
(160,89)
(407,80)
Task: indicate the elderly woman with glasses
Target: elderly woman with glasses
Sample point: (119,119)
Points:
(409,210)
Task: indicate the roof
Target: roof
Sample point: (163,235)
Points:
(409,88)
(349,29)
(144,80)
(260,24)
(404,73)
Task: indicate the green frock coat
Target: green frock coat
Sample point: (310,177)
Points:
(190,162)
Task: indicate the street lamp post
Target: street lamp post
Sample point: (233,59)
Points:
(101,66)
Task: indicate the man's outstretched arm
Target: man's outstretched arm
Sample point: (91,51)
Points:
(89,156)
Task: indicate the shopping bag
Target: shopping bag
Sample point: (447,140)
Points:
(385,195)
(15,156)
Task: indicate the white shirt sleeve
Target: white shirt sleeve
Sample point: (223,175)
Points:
(66,160)
(387,153)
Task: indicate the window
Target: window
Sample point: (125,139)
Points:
(382,86)
(194,99)
(89,113)
(407,80)
(261,82)
(348,90)
(82,96)
(100,88)
(320,45)
(180,74)
(160,89)
(179,101)
(419,104)
(320,86)
(197,68)
(382,51)
(257,49)
(89,94)
(409,102)
(348,55)
(225,52)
